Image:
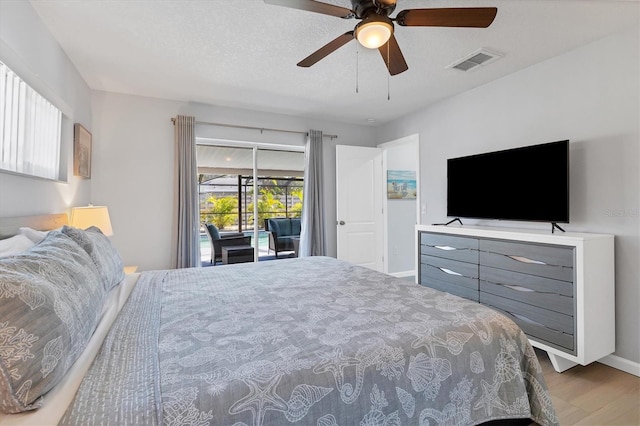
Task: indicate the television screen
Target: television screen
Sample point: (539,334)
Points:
(529,184)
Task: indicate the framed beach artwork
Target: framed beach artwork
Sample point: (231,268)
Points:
(401,185)
(81,151)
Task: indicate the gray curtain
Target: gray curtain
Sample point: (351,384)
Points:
(188,228)
(312,236)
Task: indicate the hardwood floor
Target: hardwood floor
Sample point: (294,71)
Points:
(595,395)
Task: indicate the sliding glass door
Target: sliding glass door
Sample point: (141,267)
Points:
(240,186)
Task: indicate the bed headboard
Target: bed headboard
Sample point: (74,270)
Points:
(9,225)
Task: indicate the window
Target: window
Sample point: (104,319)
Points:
(30,129)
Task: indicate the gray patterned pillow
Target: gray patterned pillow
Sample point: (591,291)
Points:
(104,255)
(50,303)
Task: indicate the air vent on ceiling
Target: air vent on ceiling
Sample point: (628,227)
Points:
(474,60)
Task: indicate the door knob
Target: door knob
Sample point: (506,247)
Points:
(341,222)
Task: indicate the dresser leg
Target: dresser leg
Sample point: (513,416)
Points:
(560,364)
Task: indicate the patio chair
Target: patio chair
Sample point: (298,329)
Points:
(282,233)
(218,241)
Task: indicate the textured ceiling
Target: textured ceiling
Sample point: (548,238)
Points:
(243,53)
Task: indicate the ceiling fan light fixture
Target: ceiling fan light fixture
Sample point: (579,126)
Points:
(374,31)
(376,27)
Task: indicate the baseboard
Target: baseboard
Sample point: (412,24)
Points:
(621,364)
(403,274)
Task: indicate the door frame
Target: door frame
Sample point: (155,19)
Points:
(386,146)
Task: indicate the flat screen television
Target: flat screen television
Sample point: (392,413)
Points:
(529,183)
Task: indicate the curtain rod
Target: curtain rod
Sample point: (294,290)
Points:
(262,129)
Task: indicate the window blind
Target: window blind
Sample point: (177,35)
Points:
(30,129)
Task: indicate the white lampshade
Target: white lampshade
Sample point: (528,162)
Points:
(373,33)
(84,217)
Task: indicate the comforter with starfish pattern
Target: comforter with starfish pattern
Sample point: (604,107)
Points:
(311,341)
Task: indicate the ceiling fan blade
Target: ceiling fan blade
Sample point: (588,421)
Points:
(473,17)
(327,49)
(314,6)
(392,56)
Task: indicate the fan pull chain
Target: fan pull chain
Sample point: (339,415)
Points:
(357,65)
(389,73)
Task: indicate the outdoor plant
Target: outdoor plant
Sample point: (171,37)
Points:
(269,205)
(223,213)
(296,209)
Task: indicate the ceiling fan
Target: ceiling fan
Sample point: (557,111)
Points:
(376,26)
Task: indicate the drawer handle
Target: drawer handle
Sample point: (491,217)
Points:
(525,319)
(530,321)
(446,248)
(526,260)
(525,289)
(449,271)
(519,288)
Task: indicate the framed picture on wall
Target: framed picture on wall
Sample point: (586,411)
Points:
(401,185)
(81,151)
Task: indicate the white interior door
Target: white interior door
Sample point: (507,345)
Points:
(359,205)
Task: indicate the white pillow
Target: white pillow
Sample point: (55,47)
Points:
(33,235)
(15,245)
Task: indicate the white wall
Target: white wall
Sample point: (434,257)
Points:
(28,48)
(401,215)
(134,165)
(590,96)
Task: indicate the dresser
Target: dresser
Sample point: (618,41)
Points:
(558,287)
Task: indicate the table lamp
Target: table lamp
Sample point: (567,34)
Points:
(98,216)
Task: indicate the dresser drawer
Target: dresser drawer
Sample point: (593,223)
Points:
(547,293)
(454,288)
(539,332)
(548,261)
(549,319)
(452,276)
(448,270)
(430,273)
(450,247)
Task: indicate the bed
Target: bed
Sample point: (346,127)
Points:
(297,341)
